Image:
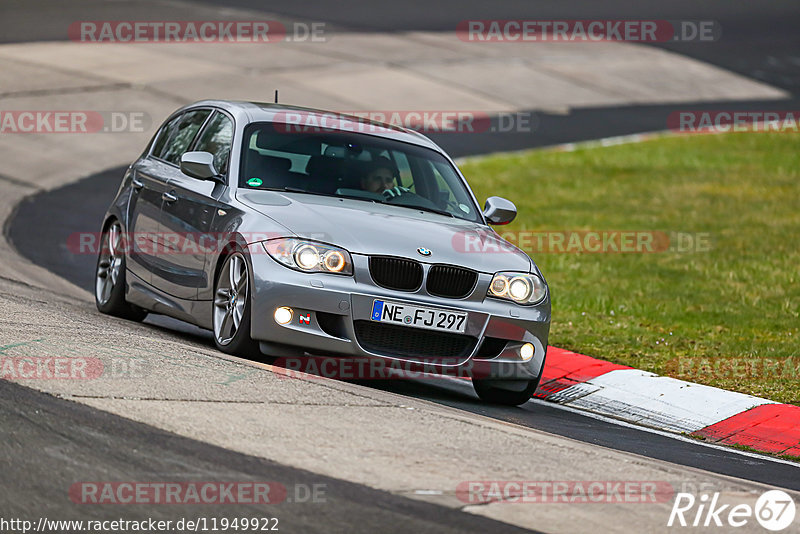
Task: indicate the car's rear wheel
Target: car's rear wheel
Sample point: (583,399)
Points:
(232,307)
(109,287)
(513,394)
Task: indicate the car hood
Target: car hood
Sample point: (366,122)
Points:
(381,229)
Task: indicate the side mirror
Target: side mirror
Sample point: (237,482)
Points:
(498,210)
(199,165)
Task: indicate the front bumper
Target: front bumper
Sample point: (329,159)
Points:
(326,307)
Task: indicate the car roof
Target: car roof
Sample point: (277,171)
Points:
(265,112)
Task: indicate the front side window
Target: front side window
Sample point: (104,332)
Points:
(353,165)
(178,135)
(216,139)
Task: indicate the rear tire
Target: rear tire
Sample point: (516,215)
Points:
(489,392)
(109,286)
(232,305)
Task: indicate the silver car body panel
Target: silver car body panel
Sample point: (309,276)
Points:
(182,285)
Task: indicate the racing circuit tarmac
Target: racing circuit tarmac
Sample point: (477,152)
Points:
(92,195)
(34,474)
(761,43)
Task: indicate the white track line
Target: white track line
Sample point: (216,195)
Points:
(657,401)
(664,433)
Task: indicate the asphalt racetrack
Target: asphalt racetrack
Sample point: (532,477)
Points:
(761,43)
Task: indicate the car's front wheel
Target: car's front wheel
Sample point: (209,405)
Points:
(232,307)
(506,393)
(109,287)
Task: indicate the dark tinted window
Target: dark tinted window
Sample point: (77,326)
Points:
(178,135)
(163,135)
(216,139)
(348,164)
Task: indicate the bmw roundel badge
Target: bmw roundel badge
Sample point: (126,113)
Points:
(424,251)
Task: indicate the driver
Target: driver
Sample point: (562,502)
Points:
(380,178)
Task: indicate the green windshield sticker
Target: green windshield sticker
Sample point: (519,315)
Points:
(254,182)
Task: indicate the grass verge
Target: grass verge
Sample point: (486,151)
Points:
(717,301)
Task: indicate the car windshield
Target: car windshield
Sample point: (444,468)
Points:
(353,165)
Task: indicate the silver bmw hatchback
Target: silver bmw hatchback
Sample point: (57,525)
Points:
(291,232)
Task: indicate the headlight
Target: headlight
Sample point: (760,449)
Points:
(309,256)
(521,288)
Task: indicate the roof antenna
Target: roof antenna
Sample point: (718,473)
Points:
(276,96)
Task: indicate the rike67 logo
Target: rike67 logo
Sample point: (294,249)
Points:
(774,510)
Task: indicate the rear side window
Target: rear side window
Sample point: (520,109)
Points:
(178,134)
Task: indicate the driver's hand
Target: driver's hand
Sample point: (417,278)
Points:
(395,192)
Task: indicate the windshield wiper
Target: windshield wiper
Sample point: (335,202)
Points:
(423,208)
(355,197)
(289,189)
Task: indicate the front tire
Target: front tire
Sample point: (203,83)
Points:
(490,392)
(231,313)
(109,287)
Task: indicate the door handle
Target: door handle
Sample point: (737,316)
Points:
(137,185)
(169,197)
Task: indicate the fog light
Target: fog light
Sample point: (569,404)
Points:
(283,315)
(526,352)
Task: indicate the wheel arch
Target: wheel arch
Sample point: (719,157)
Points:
(233,243)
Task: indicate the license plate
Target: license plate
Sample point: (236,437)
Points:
(418,316)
